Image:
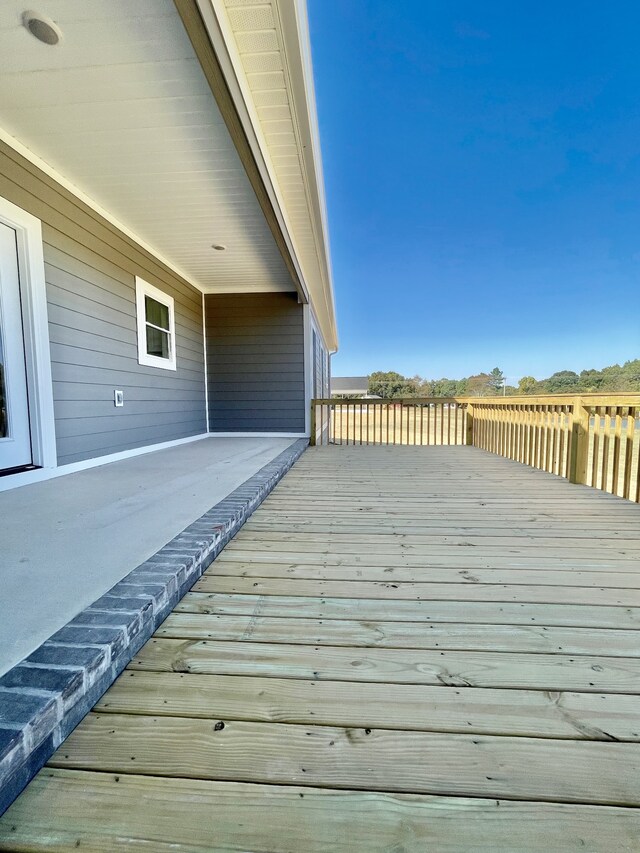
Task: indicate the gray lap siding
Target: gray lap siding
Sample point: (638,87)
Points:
(90,270)
(255,362)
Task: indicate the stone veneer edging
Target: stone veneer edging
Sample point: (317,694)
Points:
(45,696)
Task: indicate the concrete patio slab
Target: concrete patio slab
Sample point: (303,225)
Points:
(65,542)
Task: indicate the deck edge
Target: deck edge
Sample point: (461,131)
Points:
(45,696)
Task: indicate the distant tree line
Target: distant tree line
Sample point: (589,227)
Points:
(615,378)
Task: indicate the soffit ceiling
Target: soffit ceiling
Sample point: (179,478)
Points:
(271,39)
(122,110)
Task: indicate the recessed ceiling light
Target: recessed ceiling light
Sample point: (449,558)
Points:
(218,247)
(42,27)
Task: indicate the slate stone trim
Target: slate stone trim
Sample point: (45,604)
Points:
(45,696)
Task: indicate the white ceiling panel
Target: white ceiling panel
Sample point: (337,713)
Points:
(122,110)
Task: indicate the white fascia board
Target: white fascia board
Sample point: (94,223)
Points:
(216,23)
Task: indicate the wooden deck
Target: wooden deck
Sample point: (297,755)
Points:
(405,649)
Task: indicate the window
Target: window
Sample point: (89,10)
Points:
(156,327)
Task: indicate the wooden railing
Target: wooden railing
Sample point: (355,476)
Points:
(592,439)
(534,433)
(421,421)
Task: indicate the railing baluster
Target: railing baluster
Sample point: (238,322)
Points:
(346,424)
(594,449)
(487,428)
(552,439)
(636,442)
(605,450)
(536,437)
(495,429)
(564,440)
(628,453)
(415,424)
(617,435)
(507,431)
(504,429)
(518,437)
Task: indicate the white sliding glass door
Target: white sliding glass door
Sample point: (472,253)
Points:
(15,435)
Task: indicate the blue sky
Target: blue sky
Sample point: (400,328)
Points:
(482,170)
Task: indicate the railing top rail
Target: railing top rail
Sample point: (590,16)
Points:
(379,401)
(594,399)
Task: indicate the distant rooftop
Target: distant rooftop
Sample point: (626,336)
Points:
(349,384)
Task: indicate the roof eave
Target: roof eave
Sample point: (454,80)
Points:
(295,30)
(210,15)
(203,28)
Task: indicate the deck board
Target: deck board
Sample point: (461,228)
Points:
(403,649)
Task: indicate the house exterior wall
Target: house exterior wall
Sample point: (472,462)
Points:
(90,269)
(320,362)
(255,362)
(321,378)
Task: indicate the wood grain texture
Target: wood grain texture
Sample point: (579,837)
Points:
(414,648)
(531,713)
(437,574)
(357,758)
(100,812)
(405,610)
(394,666)
(420,591)
(402,635)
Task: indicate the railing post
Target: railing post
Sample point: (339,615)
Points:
(312,429)
(469,438)
(579,442)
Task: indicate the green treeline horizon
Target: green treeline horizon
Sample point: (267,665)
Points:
(615,378)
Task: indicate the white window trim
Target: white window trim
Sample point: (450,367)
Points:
(36,331)
(143,288)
